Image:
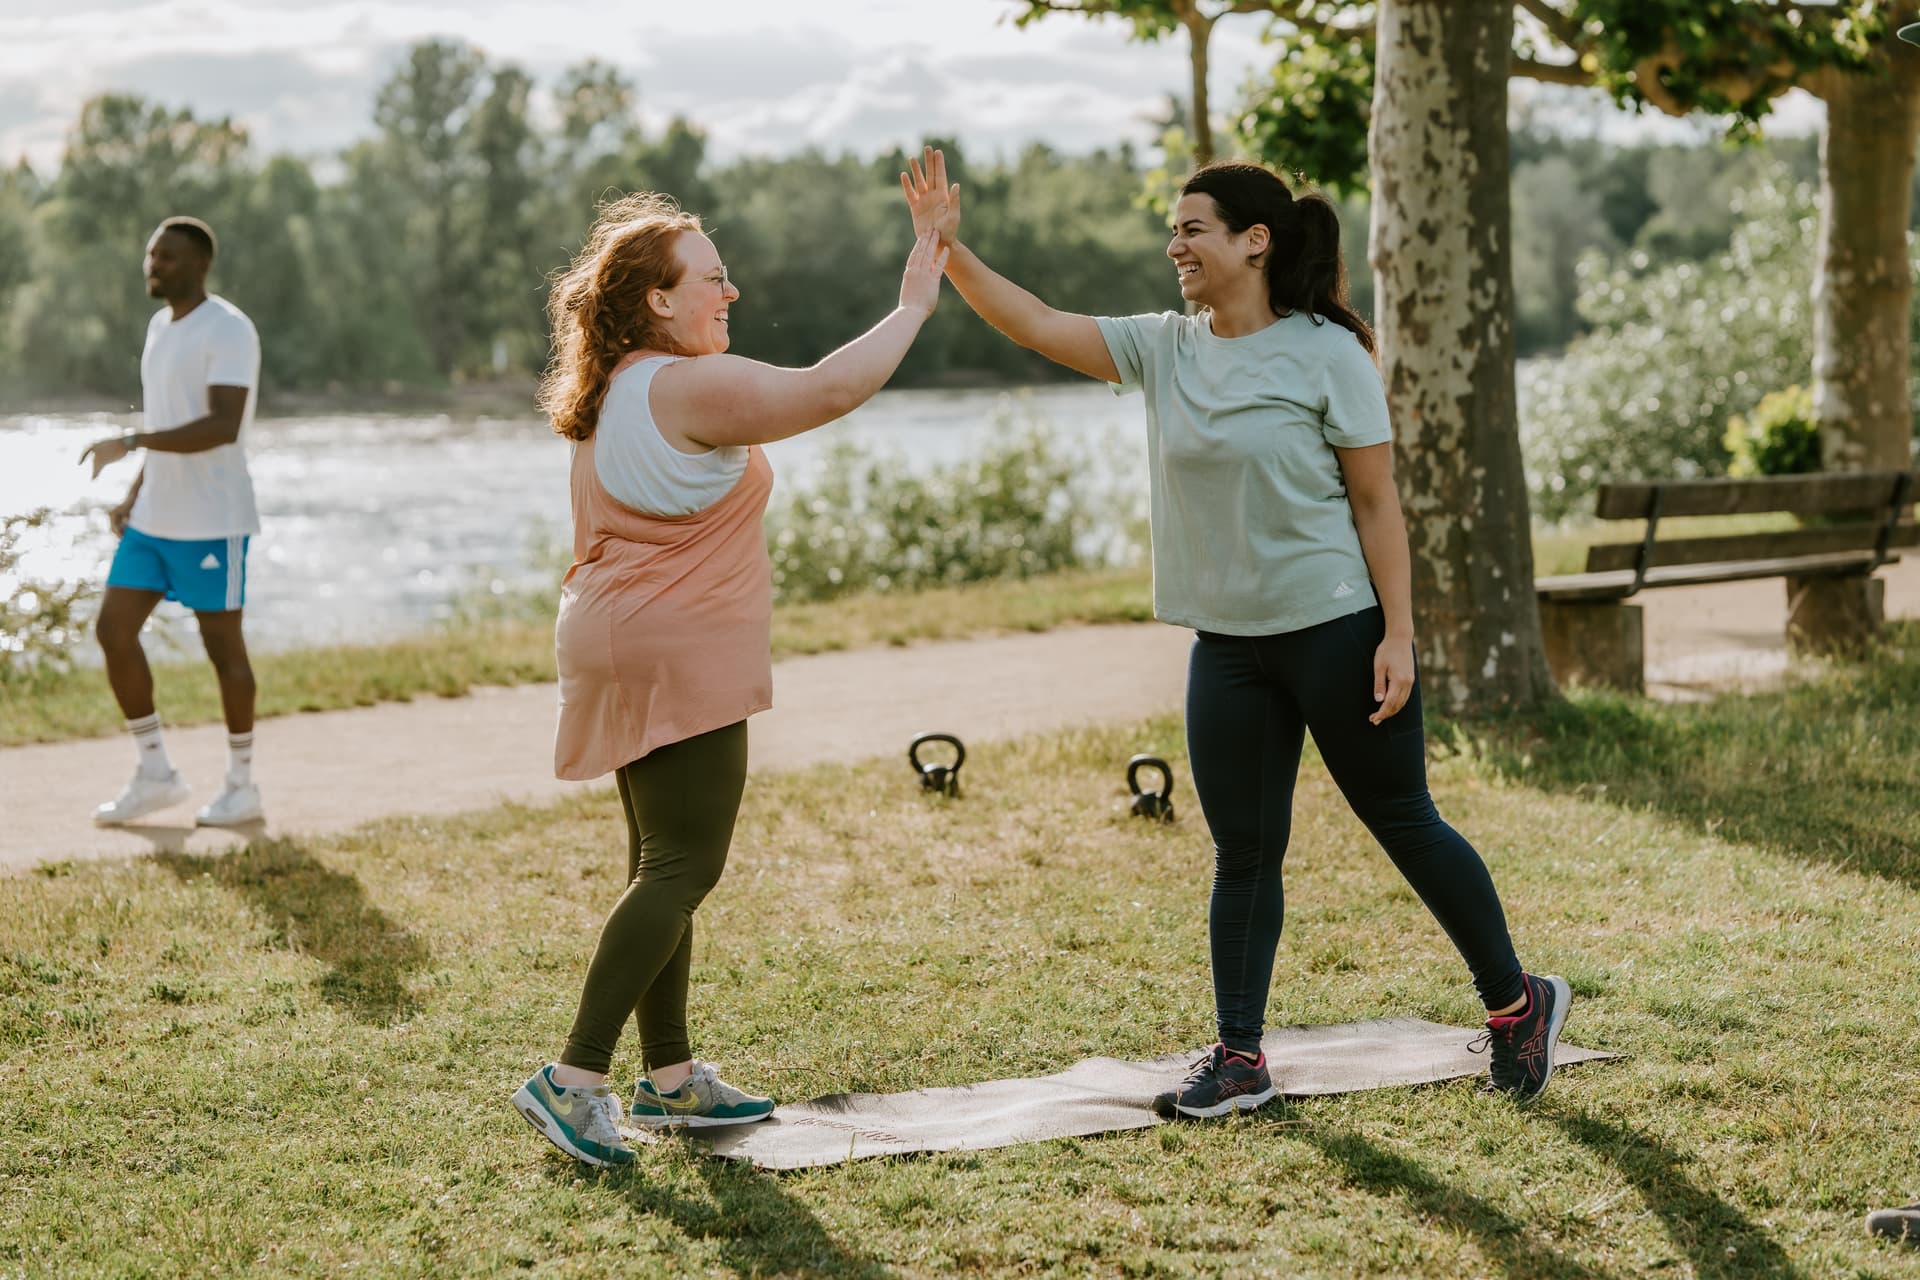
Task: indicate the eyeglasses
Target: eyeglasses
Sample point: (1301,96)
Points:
(718,278)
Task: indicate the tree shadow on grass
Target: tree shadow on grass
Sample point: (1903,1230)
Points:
(1717,1238)
(1508,1242)
(322,913)
(1821,770)
(759,1228)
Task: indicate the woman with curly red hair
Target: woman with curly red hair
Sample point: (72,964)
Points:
(662,636)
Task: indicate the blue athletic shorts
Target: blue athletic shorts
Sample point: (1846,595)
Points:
(208,575)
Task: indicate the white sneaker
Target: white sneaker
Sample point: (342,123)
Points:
(235,806)
(142,796)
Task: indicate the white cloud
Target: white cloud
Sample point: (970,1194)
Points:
(760,76)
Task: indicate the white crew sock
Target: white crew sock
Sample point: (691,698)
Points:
(240,758)
(153,751)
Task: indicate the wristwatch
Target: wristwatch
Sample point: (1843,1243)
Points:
(130,441)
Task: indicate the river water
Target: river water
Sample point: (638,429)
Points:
(375,525)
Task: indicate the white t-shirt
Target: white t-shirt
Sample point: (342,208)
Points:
(1252,531)
(637,465)
(207,494)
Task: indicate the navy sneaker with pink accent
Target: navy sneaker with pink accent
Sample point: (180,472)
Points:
(1221,1082)
(1523,1043)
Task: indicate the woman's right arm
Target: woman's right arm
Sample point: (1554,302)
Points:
(719,400)
(1061,336)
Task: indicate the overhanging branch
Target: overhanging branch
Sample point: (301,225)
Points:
(1550,72)
(1557,24)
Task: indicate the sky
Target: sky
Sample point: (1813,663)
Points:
(763,77)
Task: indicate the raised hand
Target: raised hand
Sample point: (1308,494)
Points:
(935,204)
(920,285)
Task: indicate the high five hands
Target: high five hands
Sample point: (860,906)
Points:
(935,204)
(920,285)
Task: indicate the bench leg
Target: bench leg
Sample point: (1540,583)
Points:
(1834,616)
(1595,644)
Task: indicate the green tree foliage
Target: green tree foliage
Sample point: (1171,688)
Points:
(1727,58)
(424,257)
(79,318)
(1308,113)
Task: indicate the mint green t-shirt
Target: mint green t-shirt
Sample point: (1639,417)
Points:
(1252,532)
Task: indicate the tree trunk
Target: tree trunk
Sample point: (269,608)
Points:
(1442,264)
(1199,32)
(1863,283)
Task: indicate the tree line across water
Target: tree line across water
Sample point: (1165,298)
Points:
(417,257)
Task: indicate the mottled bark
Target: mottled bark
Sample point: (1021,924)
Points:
(1863,284)
(1442,263)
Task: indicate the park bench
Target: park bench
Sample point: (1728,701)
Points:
(1833,603)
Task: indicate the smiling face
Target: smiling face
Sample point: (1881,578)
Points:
(176,266)
(694,311)
(1212,261)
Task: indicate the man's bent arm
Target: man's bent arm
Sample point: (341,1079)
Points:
(221,425)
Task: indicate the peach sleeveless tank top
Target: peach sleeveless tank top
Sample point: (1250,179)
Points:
(665,621)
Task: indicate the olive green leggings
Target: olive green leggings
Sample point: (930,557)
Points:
(680,801)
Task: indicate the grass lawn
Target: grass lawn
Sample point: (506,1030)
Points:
(295,1059)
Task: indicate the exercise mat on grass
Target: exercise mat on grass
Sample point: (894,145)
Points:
(1096,1095)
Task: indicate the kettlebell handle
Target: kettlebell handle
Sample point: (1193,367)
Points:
(959,752)
(943,778)
(1139,762)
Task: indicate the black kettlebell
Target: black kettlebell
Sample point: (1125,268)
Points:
(1154,805)
(943,779)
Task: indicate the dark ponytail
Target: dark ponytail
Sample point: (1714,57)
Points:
(1305,271)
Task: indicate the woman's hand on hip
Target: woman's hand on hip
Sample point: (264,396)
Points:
(1392,677)
(934,203)
(920,286)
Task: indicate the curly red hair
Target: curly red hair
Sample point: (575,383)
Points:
(598,305)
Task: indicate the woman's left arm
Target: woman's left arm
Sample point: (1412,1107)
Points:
(1383,541)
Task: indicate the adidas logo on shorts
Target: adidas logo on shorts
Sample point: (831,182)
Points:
(211,562)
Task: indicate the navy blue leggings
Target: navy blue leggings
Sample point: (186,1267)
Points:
(1249,698)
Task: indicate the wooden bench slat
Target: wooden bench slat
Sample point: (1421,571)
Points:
(1773,545)
(1618,584)
(1809,494)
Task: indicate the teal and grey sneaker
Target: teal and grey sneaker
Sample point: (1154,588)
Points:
(704,1100)
(583,1122)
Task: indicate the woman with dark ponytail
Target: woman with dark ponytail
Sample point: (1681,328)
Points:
(1278,537)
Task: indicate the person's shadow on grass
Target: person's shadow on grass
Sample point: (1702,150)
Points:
(167,838)
(758,1227)
(322,913)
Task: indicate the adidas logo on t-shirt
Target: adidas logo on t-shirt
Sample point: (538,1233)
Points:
(1342,591)
(211,562)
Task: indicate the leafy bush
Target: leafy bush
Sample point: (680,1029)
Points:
(1780,439)
(1676,350)
(1022,508)
(41,623)
(1025,506)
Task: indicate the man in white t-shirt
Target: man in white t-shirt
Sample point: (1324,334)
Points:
(185,523)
